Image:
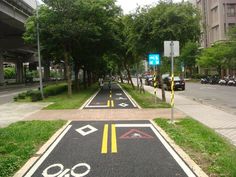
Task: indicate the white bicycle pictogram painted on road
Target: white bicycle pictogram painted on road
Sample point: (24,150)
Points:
(65,173)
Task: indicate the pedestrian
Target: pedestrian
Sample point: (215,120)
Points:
(155,84)
(100,80)
(141,87)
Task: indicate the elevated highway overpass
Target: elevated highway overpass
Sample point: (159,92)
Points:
(13,16)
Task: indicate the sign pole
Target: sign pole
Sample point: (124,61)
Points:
(172,81)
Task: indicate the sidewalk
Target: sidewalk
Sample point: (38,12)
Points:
(222,122)
(13,112)
(104,114)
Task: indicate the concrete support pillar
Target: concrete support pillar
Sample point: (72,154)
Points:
(1,71)
(19,72)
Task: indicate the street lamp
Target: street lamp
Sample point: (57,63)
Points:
(39,56)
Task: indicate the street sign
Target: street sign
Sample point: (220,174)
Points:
(167,48)
(154,59)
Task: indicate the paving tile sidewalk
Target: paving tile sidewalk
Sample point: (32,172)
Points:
(222,122)
(103,114)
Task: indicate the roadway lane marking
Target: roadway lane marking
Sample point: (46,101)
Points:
(110,96)
(84,133)
(108,103)
(87,103)
(104,139)
(133,125)
(112,103)
(118,94)
(113,139)
(97,106)
(130,99)
(45,155)
(123,105)
(135,134)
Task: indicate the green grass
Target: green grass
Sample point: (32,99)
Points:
(20,141)
(62,101)
(215,155)
(145,100)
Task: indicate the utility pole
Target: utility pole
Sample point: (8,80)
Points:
(39,55)
(172,81)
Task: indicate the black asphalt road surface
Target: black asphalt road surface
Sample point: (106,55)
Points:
(109,149)
(110,98)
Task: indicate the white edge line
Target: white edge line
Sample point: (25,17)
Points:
(135,104)
(181,163)
(101,106)
(89,100)
(45,155)
(133,125)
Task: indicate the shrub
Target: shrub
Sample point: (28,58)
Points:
(36,96)
(22,95)
(15,98)
(9,73)
(29,93)
(55,89)
(198,76)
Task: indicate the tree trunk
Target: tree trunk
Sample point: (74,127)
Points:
(47,70)
(163,95)
(76,70)
(84,79)
(68,74)
(65,76)
(121,78)
(89,78)
(129,76)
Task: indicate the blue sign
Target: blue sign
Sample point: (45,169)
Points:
(154,59)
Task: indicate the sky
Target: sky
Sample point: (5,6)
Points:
(130,5)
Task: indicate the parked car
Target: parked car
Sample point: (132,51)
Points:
(178,83)
(149,80)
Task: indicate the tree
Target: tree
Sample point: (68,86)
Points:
(153,25)
(189,55)
(220,55)
(76,31)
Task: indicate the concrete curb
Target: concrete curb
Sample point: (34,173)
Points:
(40,152)
(192,165)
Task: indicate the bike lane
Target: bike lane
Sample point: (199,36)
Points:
(111,98)
(110,149)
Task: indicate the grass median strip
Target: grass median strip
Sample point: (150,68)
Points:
(215,155)
(21,140)
(62,101)
(145,100)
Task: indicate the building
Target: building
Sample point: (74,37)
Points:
(217,17)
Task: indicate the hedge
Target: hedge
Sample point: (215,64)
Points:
(35,95)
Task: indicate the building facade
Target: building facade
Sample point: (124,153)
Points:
(217,18)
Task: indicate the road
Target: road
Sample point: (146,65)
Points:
(7,95)
(110,148)
(221,97)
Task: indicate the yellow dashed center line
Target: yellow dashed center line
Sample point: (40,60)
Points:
(104,139)
(108,103)
(113,139)
(112,103)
